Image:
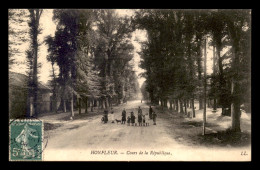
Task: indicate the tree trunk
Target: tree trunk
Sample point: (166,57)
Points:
(181,106)
(170,104)
(199,63)
(98,103)
(110,102)
(106,103)
(214,104)
(235,90)
(185,107)
(31,106)
(86,105)
(64,106)
(235,110)
(79,105)
(221,76)
(205,87)
(71,106)
(214,74)
(36,14)
(200,103)
(102,103)
(95,103)
(177,105)
(187,103)
(193,108)
(54,94)
(223,113)
(92,105)
(54,104)
(208,103)
(165,103)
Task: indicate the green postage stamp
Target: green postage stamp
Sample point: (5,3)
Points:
(26,136)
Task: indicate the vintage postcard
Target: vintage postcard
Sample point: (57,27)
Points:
(129,84)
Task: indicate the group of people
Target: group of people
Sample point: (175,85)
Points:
(143,119)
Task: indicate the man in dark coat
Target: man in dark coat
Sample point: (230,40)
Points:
(105,116)
(123,116)
(150,112)
(154,118)
(132,118)
(139,119)
(140,111)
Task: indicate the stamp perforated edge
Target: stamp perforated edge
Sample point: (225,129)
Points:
(22,160)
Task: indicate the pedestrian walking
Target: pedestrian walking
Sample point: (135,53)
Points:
(132,118)
(143,120)
(123,116)
(105,116)
(128,120)
(140,119)
(147,119)
(154,118)
(140,111)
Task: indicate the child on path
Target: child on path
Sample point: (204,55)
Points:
(132,118)
(147,119)
(128,120)
(144,120)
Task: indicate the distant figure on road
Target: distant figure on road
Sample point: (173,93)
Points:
(141,101)
(150,112)
(105,116)
(128,120)
(139,119)
(143,120)
(112,115)
(147,119)
(140,111)
(123,116)
(132,118)
(154,118)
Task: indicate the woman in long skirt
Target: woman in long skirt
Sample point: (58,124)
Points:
(123,116)
(132,118)
(154,118)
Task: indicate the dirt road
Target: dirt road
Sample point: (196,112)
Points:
(89,139)
(94,135)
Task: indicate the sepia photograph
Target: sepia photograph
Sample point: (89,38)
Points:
(129,85)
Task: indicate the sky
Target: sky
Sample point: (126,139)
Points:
(49,28)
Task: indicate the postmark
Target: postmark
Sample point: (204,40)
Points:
(26,140)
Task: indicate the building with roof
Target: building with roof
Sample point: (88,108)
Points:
(19,102)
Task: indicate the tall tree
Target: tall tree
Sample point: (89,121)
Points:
(238,23)
(34,31)
(218,29)
(113,52)
(51,57)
